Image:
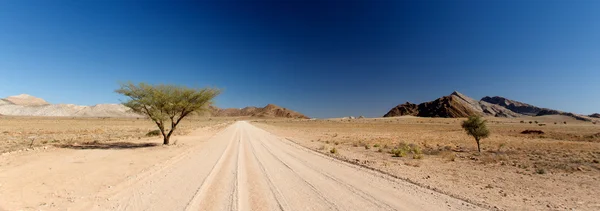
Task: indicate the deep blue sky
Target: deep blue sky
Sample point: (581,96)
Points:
(322,58)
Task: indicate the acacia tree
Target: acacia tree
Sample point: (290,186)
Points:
(166,104)
(475,126)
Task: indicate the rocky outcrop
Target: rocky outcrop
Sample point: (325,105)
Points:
(515,106)
(529,110)
(595,115)
(452,106)
(26,100)
(403,110)
(496,110)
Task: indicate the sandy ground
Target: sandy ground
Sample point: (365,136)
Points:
(240,167)
(555,171)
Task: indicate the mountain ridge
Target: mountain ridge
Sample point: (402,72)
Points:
(458,105)
(27,105)
(269,111)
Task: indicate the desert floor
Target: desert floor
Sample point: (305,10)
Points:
(556,170)
(220,166)
(338,164)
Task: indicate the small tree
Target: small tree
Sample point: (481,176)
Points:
(475,126)
(165,104)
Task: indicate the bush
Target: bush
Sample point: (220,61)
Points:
(539,132)
(475,126)
(530,122)
(398,152)
(333,151)
(540,171)
(367,146)
(522,121)
(153,133)
(403,149)
(377,145)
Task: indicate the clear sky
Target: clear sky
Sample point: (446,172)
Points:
(322,58)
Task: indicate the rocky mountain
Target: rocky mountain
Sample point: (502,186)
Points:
(452,106)
(458,105)
(27,105)
(406,109)
(530,110)
(26,100)
(269,111)
(595,115)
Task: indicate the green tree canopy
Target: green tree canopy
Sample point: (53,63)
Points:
(475,126)
(165,104)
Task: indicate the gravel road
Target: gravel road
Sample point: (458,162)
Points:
(246,168)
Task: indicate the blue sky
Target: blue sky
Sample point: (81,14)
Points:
(322,58)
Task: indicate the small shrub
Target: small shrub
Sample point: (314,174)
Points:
(337,143)
(475,126)
(554,122)
(367,146)
(522,121)
(536,122)
(542,124)
(416,150)
(333,150)
(530,122)
(153,133)
(327,142)
(380,150)
(377,145)
(386,146)
(418,156)
(398,152)
(539,132)
(540,171)
(565,122)
(355,145)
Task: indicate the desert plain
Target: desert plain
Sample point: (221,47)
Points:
(77,163)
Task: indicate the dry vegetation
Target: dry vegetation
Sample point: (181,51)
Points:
(559,169)
(23,133)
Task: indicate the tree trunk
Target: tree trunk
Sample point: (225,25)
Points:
(478,148)
(166,140)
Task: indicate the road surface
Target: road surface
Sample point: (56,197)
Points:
(246,168)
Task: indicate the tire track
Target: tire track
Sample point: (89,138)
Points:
(350,187)
(276,193)
(320,195)
(194,203)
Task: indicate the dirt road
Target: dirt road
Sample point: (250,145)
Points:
(246,168)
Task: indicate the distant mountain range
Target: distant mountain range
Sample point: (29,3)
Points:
(458,105)
(269,111)
(27,105)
